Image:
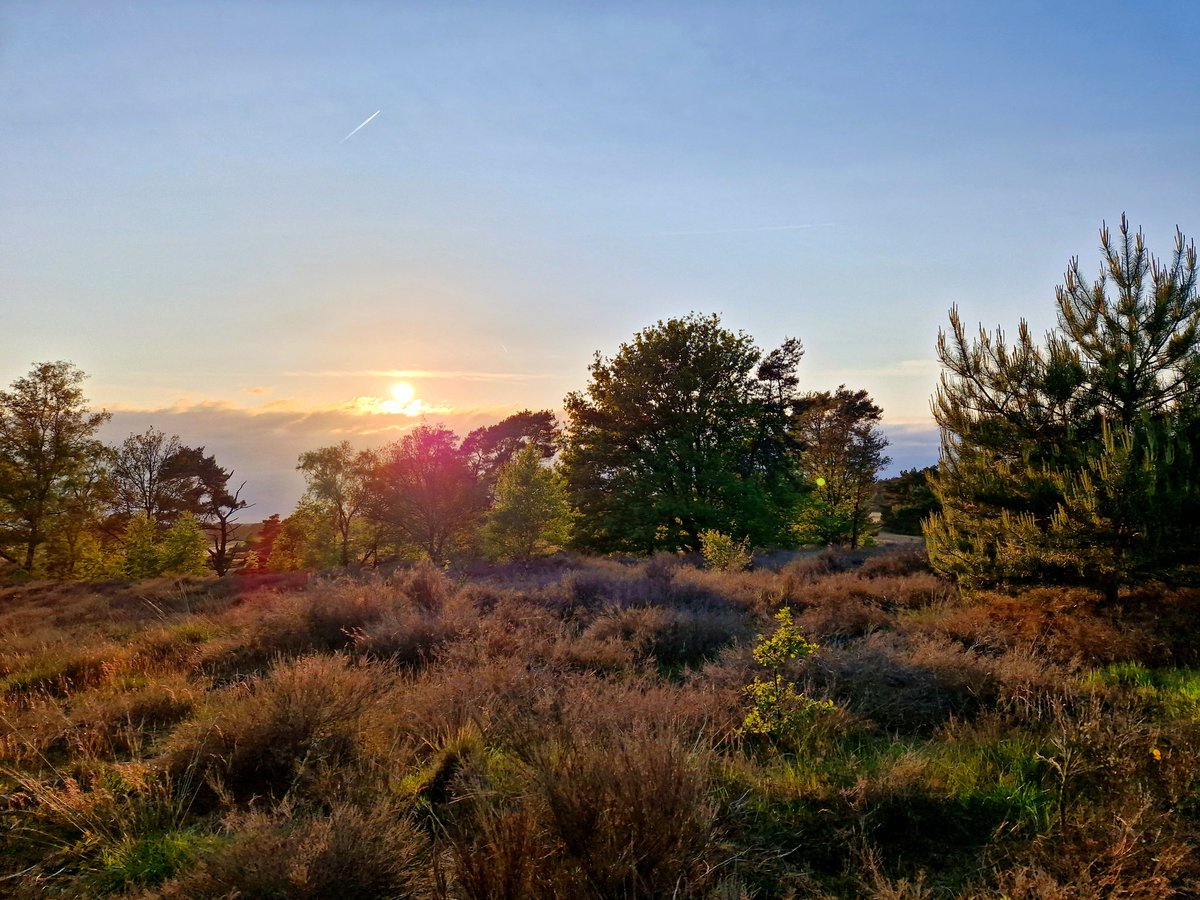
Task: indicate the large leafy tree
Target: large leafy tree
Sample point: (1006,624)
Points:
(47,447)
(842,453)
(1073,460)
(425,492)
(143,478)
(685,429)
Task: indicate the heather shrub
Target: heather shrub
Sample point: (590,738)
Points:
(629,810)
(409,637)
(271,735)
(1063,624)
(90,825)
(107,723)
(916,683)
(673,637)
(350,852)
(59,672)
(836,622)
(905,560)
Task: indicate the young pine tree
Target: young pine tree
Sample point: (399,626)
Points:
(531,515)
(1073,461)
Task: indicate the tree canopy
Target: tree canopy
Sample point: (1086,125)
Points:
(841,455)
(531,515)
(47,445)
(1073,460)
(685,429)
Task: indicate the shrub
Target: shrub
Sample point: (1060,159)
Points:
(630,811)
(273,734)
(351,852)
(722,553)
(778,711)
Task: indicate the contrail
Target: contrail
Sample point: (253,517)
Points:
(740,230)
(360,127)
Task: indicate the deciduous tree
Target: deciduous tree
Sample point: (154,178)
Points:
(339,480)
(143,480)
(531,515)
(47,445)
(842,453)
(425,491)
(685,429)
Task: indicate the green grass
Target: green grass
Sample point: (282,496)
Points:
(1175,691)
(149,859)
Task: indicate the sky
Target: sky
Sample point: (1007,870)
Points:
(188,214)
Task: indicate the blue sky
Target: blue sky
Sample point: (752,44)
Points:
(185,219)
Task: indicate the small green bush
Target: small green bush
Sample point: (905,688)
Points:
(779,711)
(722,553)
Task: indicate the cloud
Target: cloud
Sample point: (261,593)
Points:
(905,368)
(914,443)
(378,406)
(417,374)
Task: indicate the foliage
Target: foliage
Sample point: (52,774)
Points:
(338,484)
(148,551)
(1074,461)
(722,553)
(842,455)
(489,449)
(306,540)
(684,429)
(184,548)
(47,444)
(531,730)
(907,500)
(424,492)
(530,516)
(143,480)
(779,711)
(210,501)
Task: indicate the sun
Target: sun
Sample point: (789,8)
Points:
(403,393)
(403,401)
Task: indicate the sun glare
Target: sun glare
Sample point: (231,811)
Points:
(403,393)
(402,402)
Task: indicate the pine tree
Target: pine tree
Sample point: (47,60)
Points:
(1072,461)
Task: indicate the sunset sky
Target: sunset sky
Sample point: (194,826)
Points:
(188,218)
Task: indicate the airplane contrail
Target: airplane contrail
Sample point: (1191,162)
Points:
(360,127)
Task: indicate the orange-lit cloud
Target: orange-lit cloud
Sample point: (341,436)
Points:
(419,374)
(402,402)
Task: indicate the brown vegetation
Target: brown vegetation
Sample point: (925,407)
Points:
(573,728)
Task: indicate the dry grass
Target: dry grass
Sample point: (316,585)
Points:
(573,728)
